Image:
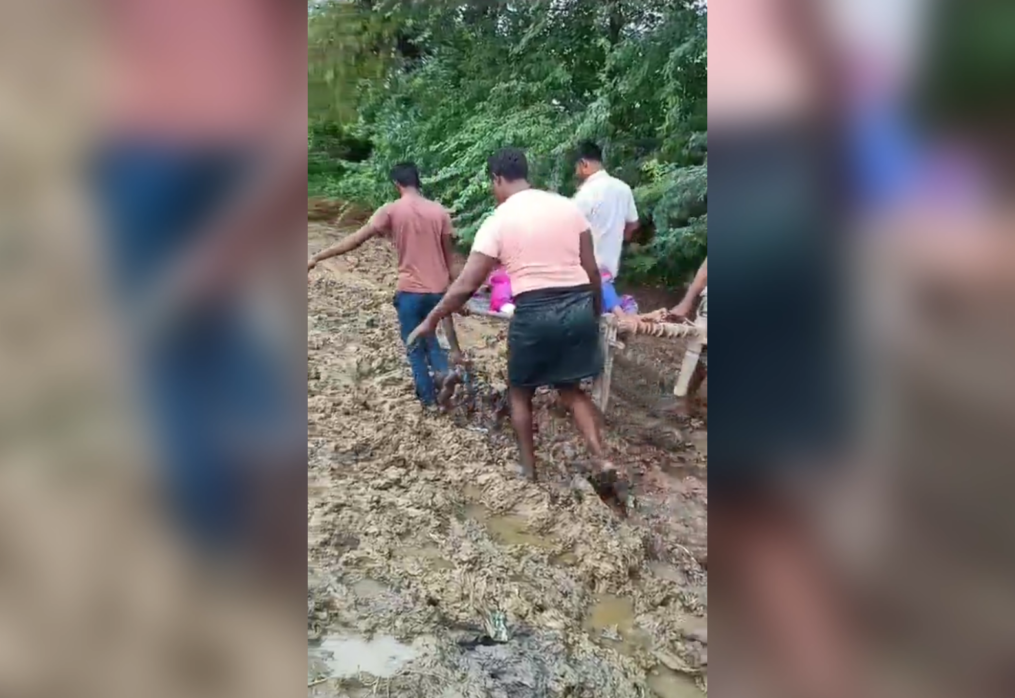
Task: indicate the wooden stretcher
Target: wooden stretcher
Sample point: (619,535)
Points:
(696,334)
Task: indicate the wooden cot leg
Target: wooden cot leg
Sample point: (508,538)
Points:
(687,367)
(603,382)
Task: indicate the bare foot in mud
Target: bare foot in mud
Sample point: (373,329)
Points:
(612,486)
(525,471)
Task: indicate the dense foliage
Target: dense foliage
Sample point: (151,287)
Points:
(447,83)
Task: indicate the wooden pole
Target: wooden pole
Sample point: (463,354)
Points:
(609,339)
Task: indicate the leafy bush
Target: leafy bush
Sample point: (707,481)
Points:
(446,84)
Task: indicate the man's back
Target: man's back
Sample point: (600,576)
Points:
(608,203)
(536,236)
(419,229)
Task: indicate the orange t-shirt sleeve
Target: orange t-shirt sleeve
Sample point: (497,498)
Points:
(488,238)
(381,220)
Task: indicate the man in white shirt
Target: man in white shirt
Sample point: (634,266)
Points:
(608,204)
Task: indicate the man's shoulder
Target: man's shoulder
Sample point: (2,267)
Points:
(603,185)
(416,206)
(543,196)
(434,208)
(618,184)
(385,208)
(548,202)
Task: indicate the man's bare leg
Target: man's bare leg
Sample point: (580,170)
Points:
(586,418)
(521,419)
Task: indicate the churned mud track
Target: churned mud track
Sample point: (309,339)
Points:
(433,567)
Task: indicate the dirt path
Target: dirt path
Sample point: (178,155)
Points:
(434,571)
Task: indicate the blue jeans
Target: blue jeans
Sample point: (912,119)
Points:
(210,375)
(426,357)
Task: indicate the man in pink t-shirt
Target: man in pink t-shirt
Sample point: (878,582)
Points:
(545,245)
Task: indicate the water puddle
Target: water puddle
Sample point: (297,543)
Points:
(667,683)
(567,559)
(611,622)
(667,571)
(317,488)
(612,612)
(366,589)
(510,529)
(506,529)
(343,656)
(430,555)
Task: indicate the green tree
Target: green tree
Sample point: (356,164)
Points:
(447,83)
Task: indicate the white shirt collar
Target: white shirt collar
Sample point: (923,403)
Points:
(591,178)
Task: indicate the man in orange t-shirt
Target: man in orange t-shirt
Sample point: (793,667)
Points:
(421,231)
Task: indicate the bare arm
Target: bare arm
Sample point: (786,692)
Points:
(631,221)
(477,268)
(683,309)
(588,261)
(449,332)
(699,283)
(454,270)
(347,244)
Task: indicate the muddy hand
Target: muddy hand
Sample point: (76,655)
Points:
(425,328)
(414,337)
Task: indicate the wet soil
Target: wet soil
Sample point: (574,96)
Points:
(424,541)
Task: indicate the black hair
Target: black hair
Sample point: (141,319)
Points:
(587,150)
(509,163)
(405,174)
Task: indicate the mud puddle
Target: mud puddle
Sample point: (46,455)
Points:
(667,683)
(612,622)
(429,555)
(346,656)
(509,528)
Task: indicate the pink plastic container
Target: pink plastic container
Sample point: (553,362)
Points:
(500,290)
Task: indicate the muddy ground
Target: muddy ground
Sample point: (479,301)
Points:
(435,571)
